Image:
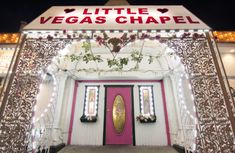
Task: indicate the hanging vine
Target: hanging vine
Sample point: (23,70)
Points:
(115,44)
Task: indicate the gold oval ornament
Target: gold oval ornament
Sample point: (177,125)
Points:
(119,114)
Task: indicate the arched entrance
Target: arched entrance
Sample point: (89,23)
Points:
(196,50)
(213,108)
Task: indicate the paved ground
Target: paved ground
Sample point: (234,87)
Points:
(116,149)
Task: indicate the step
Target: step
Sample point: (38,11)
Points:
(117,149)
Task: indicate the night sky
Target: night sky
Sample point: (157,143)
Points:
(218,14)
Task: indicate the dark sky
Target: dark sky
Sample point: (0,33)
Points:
(218,14)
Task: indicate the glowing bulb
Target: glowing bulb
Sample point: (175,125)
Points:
(192,97)
(189,86)
(232,50)
(34,108)
(34,145)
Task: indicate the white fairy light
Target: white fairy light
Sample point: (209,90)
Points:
(192,97)
(189,86)
(182,75)
(40,71)
(195,120)
(195,133)
(194,147)
(40,86)
(33,132)
(34,145)
(180,90)
(34,108)
(37,96)
(33,120)
(180,82)
(191,116)
(194,109)
(53,94)
(54,88)
(181,96)
(45,110)
(187,77)
(185,107)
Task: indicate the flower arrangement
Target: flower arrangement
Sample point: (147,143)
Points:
(146,118)
(85,118)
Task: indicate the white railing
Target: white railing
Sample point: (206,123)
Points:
(40,139)
(187,129)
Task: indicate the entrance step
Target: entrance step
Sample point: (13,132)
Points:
(117,149)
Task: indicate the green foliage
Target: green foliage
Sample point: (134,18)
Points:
(124,61)
(112,62)
(97,58)
(90,57)
(119,63)
(136,56)
(150,59)
(86,46)
(74,57)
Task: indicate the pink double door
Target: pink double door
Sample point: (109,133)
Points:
(126,136)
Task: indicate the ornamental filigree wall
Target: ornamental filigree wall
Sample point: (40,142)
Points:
(215,132)
(15,124)
(214,127)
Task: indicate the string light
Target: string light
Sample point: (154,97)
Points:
(34,120)
(224,36)
(184,107)
(96,88)
(9,38)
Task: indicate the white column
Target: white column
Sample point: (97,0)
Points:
(174,84)
(61,78)
(171,108)
(67,107)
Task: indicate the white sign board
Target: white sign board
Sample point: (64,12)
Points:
(116,18)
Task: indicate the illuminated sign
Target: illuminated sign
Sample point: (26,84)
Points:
(5,59)
(116,18)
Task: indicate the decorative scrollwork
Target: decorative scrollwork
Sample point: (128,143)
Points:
(15,124)
(214,127)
